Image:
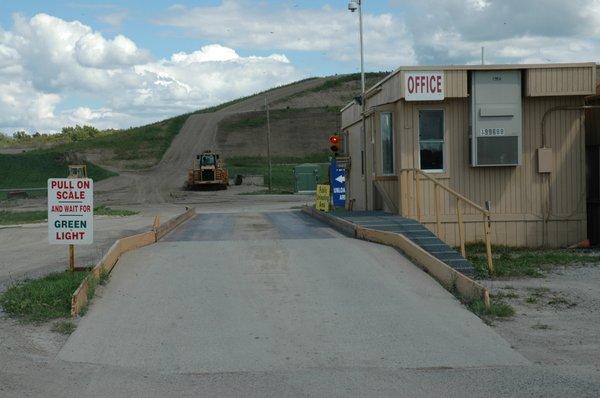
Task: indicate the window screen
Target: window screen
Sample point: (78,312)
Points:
(431,139)
(387,143)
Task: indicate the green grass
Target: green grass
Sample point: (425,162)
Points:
(515,262)
(497,310)
(22,217)
(259,119)
(27,217)
(32,169)
(283,178)
(143,146)
(371,78)
(108,211)
(42,299)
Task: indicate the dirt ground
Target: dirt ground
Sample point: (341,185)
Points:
(557,317)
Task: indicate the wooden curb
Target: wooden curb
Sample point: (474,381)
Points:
(452,280)
(173,223)
(79,298)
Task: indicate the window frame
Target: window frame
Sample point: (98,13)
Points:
(444,140)
(393,142)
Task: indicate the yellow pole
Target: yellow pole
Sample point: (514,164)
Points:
(461,232)
(437,211)
(418,194)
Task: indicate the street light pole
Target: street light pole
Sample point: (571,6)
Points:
(353,6)
(269,145)
(362,51)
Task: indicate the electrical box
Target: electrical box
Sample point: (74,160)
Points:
(496,118)
(545,160)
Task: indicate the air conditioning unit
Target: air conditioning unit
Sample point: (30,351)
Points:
(496,118)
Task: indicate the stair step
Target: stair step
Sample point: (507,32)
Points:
(416,232)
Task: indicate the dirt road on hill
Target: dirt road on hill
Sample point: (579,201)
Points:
(198,133)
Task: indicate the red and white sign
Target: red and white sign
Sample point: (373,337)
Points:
(70,211)
(424,86)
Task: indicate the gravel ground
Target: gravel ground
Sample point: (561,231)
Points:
(557,317)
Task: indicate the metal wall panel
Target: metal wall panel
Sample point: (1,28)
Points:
(544,82)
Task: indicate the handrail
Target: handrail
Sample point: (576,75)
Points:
(452,191)
(459,197)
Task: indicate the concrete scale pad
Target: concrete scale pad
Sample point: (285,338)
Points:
(277,303)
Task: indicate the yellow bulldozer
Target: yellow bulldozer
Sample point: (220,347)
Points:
(207,172)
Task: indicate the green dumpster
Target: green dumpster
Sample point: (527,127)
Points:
(306,178)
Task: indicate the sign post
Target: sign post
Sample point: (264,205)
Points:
(70,213)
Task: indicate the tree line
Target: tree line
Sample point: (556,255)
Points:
(67,134)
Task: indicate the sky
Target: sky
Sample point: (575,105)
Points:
(128,63)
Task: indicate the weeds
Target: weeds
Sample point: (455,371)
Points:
(108,211)
(22,217)
(509,261)
(42,299)
(64,327)
(497,310)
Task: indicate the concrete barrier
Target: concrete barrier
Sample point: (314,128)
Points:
(345,227)
(454,281)
(79,298)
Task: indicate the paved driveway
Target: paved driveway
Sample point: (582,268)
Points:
(265,292)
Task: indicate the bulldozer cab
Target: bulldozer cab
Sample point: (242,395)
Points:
(207,159)
(77,171)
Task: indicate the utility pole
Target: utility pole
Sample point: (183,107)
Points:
(269,144)
(353,6)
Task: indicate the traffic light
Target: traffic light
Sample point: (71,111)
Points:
(335,142)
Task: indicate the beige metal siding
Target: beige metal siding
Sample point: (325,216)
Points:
(390,91)
(519,195)
(355,183)
(544,82)
(350,115)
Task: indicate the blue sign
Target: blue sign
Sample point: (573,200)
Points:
(337,177)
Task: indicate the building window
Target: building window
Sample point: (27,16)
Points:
(431,140)
(387,143)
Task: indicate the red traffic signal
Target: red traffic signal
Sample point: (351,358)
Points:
(335,141)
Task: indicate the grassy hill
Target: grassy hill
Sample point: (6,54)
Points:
(299,123)
(32,170)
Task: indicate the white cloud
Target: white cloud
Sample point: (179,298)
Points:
(45,61)
(114,19)
(412,32)
(332,31)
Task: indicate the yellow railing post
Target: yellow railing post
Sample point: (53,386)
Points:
(461,232)
(418,193)
(438,222)
(488,243)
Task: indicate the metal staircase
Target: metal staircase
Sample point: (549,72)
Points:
(413,230)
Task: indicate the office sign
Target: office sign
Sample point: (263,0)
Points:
(424,86)
(70,211)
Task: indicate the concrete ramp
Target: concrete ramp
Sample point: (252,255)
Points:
(283,293)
